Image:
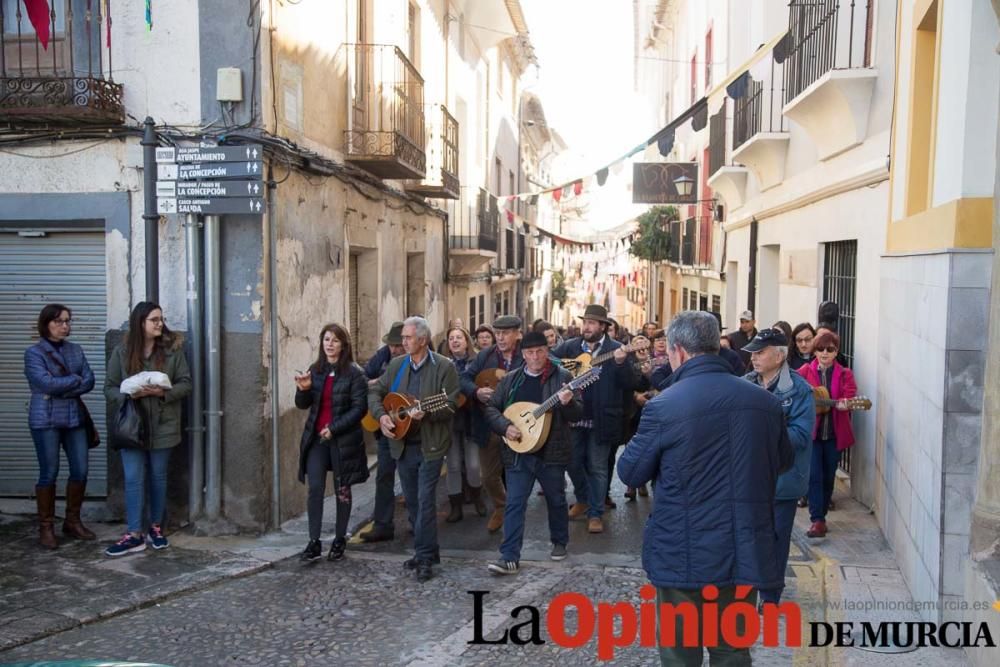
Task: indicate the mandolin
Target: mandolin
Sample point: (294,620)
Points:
(534,420)
(824,403)
(585,361)
(400,406)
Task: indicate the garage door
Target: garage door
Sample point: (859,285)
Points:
(36,269)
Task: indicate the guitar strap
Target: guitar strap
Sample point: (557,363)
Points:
(399,375)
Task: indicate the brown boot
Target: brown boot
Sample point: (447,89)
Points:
(456,508)
(496,520)
(74,500)
(595,525)
(477,499)
(45,497)
(577,510)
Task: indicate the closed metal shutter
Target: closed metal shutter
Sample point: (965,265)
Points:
(355,310)
(65,268)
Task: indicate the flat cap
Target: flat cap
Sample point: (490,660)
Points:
(507,322)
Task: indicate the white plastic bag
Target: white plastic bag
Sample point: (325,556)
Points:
(131,385)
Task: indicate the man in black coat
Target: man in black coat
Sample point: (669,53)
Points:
(505,355)
(739,338)
(603,414)
(535,382)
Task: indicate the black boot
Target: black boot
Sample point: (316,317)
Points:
(312,552)
(477,500)
(456,508)
(337,549)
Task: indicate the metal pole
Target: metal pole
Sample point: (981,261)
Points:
(149,143)
(272,296)
(192,236)
(213,376)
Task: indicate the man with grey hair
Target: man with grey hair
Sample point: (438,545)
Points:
(768,354)
(713,445)
(421,373)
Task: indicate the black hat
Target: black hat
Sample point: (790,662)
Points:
(596,312)
(507,322)
(395,335)
(533,339)
(764,338)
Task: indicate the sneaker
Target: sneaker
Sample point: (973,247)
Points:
(337,549)
(128,544)
(156,538)
(502,566)
(313,551)
(558,552)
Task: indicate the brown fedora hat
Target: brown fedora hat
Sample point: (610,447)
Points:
(596,312)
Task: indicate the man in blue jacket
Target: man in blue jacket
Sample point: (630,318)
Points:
(768,353)
(714,446)
(603,415)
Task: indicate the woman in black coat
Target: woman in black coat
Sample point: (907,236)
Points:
(335,391)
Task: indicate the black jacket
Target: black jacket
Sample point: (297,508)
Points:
(488,358)
(608,393)
(349,400)
(558,449)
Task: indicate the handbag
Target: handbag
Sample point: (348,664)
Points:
(127,429)
(93,435)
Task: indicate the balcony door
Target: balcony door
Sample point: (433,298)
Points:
(363,68)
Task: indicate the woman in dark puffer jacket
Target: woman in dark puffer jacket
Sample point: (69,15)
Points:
(335,391)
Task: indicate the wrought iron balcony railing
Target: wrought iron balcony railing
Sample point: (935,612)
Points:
(442,158)
(825,36)
(386,134)
(477,228)
(64,76)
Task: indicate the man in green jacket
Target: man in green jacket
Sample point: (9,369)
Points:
(421,373)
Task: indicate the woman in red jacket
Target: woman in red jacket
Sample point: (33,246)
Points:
(832,432)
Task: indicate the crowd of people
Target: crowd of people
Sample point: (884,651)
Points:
(724,427)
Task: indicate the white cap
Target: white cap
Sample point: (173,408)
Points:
(746,315)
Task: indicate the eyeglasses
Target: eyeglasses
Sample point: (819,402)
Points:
(804,340)
(157,320)
(831,350)
(63,322)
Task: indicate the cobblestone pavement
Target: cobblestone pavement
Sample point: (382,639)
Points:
(368,610)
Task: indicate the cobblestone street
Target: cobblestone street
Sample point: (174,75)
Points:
(368,610)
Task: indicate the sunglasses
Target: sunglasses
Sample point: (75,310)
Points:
(831,350)
(804,340)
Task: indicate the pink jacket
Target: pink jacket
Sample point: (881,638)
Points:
(842,385)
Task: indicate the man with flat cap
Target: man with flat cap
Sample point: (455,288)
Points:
(769,356)
(383,527)
(603,414)
(534,382)
(504,356)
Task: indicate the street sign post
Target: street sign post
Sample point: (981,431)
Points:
(220,206)
(202,189)
(210,180)
(199,154)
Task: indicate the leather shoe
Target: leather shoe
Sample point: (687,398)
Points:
(496,520)
(424,572)
(609,504)
(817,529)
(377,534)
(413,563)
(577,510)
(595,525)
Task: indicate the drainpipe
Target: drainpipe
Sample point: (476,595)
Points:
(213,310)
(272,296)
(150,216)
(192,237)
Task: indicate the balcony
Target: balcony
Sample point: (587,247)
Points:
(760,139)
(60,81)
(828,79)
(385,98)
(442,159)
(474,234)
(727,180)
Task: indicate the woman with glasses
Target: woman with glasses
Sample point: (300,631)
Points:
(149,346)
(335,391)
(832,431)
(801,354)
(58,374)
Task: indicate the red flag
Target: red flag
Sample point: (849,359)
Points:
(557,194)
(577,187)
(38,14)
(510,216)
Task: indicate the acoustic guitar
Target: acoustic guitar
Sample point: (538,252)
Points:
(824,403)
(400,406)
(585,361)
(534,420)
(489,378)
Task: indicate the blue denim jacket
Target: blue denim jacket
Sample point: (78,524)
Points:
(54,394)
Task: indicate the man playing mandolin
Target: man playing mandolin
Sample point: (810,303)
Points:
(478,380)
(534,383)
(424,375)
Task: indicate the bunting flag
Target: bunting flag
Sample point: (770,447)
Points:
(149,15)
(510,216)
(557,194)
(602,176)
(665,144)
(739,87)
(700,119)
(782,48)
(107,14)
(38,14)
(578,187)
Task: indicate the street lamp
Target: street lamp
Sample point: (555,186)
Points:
(684,185)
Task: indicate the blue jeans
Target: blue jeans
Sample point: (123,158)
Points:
(419,479)
(822,473)
(385,479)
(784,519)
(520,480)
(74,443)
(135,463)
(589,470)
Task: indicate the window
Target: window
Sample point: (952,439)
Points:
(461,35)
(500,76)
(10,7)
(472,313)
(510,183)
(482,310)
(716,303)
(694,77)
(708,59)
(684,298)
(840,274)
(498,177)
(412,33)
